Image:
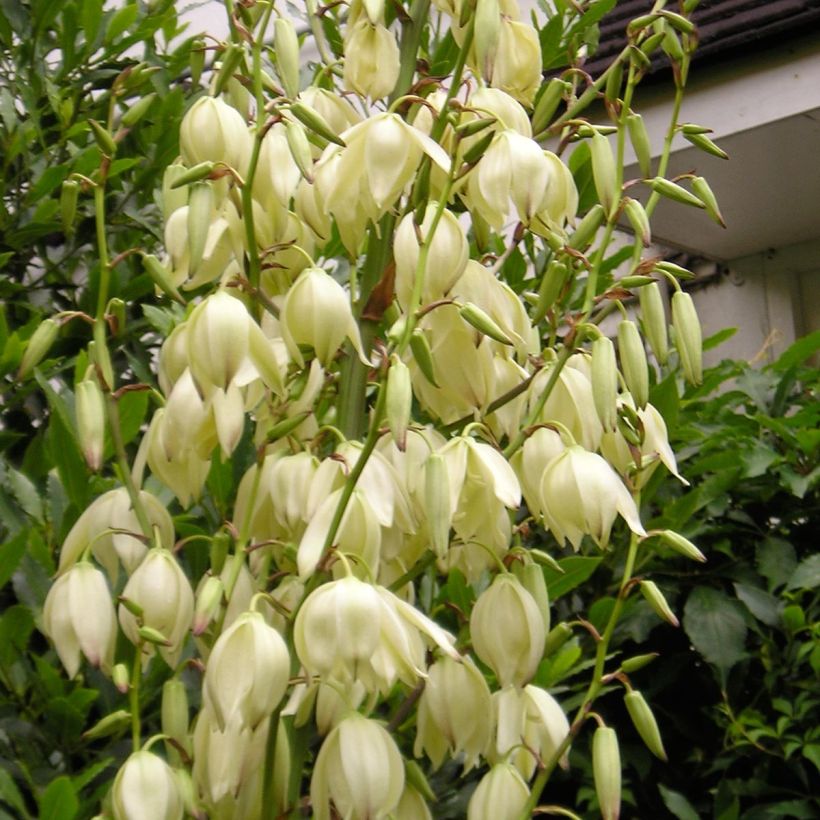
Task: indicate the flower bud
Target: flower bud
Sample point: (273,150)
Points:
(507,630)
(359,770)
(121,678)
(423,356)
(532,579)
(487,28)
(200,211)
(454,695)
(688,336)
(399,400)
(587,228)
(145,788)
(208,601)
(547,103)
(174,711)
(671,190)
(90,408)
(640,142)
(702,190)
(300,149)
(38,346)
(606,768)
(78,616)
(633,362)
(645,723)
(501,794)
(314,120)
(213,131)
(603,171)
(69,194)
(247,672)
(103,138)
(475,316)
(552,283)
(160,588)
(653,317)
(605,381)
(638,219)
(557,637)
(286,51)
(437,503)
(682,545)
(109,725)
(138,110)
(658,602)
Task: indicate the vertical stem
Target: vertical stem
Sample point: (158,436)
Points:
(134,699)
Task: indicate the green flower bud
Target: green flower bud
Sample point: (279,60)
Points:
(631,665)
(69,194)
(138,110)
(300,149)
(633,361)
(557,637)
(587,228)
(701,188)
(682,545)
(640,142)
(653,318)
(200,212)
(658,602)
(90,409)
(174,711)
(423,356)
(481,321)
(552,284)
(103,138)
(200,171)
(547,104)
(38,346)
(644,721)
(688,336)
(399,400)
(286,51)
(671,190)
(603,171)
(638,219)
(705,144)
(606,769)
(121,678)
(208,601)
(109,725)
(315,122)
(605,381)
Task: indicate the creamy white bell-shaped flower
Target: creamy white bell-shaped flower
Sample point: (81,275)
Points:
(350,630)
(517,65)
(213,131)
(582,495)
(316,312)
(654,448)
(163,592)
(334,109)
(513,173)
(247,672)
(506,109)
(145,789)
(446,258)
(277,174)
(531,460)
(412,806)
(569,404)
(78,616)
(561,205)
(105,526)
(359,771)
(225,344)
(381,155)
(508,631)
(525,721)
(454,695)
(372,62)
(501,794)
(225,759)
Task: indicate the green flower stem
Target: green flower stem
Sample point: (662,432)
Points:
(555,372)
(254,265)
(102,250)
(269,809)
(409,48)
(595,685)
(134,699)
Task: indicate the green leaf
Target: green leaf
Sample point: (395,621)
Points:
(10,794)
(677,804)
(133,406)
(577,569)
(798,352)
(120,22)
(717,628)
(776,560)
(812,752)
(59,801)
(757,461)
(807,574)
(764,606)
(717,339)
(23,489)
(11,553)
